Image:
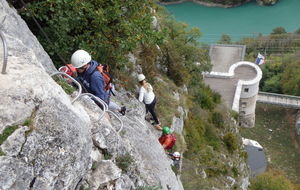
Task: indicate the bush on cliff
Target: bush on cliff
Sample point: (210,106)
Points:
(271,180)
(109,30)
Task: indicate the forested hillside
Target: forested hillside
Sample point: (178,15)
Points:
(281,71)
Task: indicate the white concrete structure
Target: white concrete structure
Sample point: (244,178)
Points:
(239,85)
(279,99)
(256,157)
(250,142)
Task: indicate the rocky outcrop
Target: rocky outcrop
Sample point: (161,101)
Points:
(50,143)
(27,45)
(266,2)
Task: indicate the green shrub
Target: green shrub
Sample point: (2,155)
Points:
(231,142)
(124,162)
(244,154)
(69,89)
(194,134)
(278,30)
(94,165)
(2,153)
(107,155)
(155,187)
(217,119)
(212,137)
(166,103)
(271,180)
(6,133)
(107,29)
(235,115)
(235,171)
(27,122)
(216,170)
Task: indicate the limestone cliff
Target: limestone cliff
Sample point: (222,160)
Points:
(49,143)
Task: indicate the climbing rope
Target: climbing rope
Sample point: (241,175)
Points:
(4,53)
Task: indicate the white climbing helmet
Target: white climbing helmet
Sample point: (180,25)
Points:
(80,58)
(176,154)
(141,77)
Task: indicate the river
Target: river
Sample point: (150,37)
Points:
(246,20)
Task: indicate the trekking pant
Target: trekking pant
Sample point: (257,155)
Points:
(151,108)
(113,106)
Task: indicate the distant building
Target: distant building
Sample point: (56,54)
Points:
(256,157)
(236,80)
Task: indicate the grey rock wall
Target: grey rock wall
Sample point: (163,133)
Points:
(27,45)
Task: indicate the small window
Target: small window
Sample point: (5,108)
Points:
(244,104)
(243,112)
(246,90)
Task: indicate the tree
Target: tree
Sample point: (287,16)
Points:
(106,29)
(271,180)
(291,78)
(181,50)
(297,31)
(278,30)
(272,71)
(225,39)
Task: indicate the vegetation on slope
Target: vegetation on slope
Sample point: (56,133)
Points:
(281,145)
(107,29)
(271,180)
(281,72)
(275,131)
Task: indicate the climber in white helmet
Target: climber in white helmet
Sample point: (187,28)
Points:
(147,96)
(91,79)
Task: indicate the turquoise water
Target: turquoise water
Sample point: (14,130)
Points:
(247,20)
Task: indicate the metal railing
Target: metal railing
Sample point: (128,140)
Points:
(77,83)
(105,108)
(121,127)
(104,105)
(95,98)
(4,53)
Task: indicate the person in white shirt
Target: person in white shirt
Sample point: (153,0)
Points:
(147,96)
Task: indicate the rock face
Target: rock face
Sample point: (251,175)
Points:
(27,45)
(58,145)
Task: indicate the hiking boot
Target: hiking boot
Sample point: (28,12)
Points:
(158,127)
(123,110)
(154,123)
